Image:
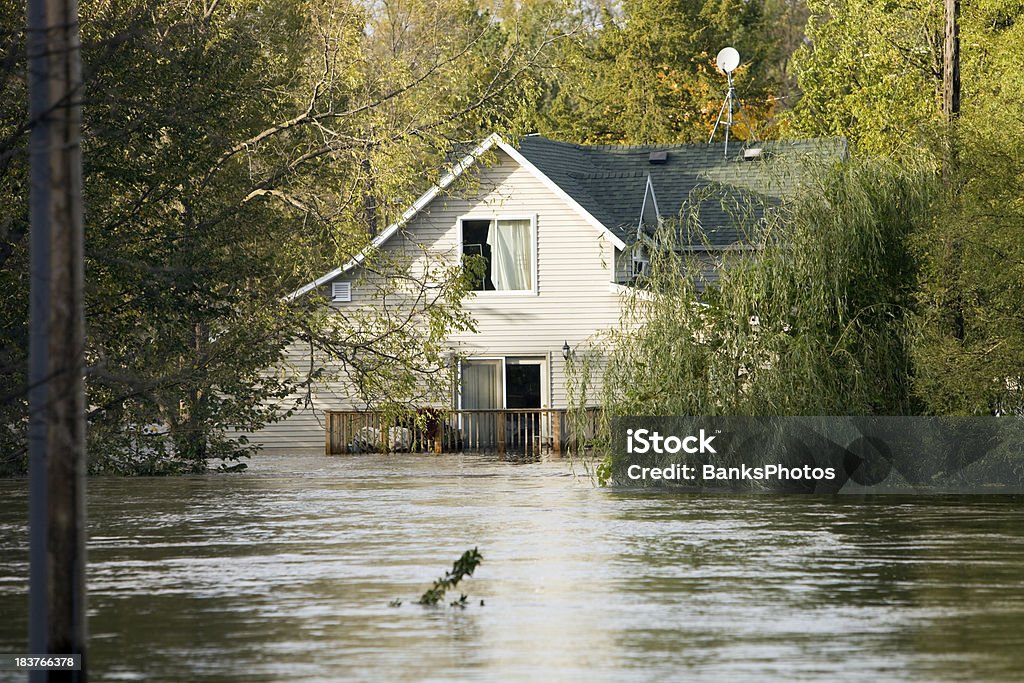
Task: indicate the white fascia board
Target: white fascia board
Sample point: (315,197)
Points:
(654,197)
(562,194)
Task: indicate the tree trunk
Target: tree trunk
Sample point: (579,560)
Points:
(951,61)
(369,198)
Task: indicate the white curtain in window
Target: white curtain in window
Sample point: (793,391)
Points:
(511,255)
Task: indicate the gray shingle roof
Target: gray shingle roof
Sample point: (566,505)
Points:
(609,181)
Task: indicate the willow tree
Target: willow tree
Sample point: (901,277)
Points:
(810,316)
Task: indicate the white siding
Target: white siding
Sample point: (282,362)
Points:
(573,301)
(303,431)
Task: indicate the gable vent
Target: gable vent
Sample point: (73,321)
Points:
(341,291)
(658,157)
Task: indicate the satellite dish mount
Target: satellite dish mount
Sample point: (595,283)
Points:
(728,59)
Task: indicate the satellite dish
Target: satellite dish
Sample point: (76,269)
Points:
(728,59)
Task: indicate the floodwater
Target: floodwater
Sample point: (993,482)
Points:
(284,573)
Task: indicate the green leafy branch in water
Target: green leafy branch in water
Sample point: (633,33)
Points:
(463,567)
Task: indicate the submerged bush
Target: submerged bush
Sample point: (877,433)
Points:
(463,567)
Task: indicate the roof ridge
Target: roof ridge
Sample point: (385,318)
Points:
(605,146)
(606,174)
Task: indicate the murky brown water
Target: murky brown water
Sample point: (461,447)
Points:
(285,573)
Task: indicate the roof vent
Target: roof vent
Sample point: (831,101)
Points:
(341,291)
(752,153)
(658,157)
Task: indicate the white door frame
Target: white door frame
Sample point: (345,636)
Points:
(530,360)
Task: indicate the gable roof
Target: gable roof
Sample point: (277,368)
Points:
(493,140)
(609,186)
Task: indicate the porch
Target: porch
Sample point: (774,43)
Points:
(513,431)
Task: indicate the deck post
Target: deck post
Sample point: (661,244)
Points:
(344,421)
(328,433)
(556,432)
(439,436)
(501,432)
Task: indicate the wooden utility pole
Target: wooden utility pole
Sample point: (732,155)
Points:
(951,61)
(56,339)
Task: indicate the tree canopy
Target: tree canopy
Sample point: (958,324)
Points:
(646,71)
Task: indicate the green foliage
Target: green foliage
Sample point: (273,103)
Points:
(872,72)
(812,321)
(646,73)
(13,241)
(463,567)
(185,263)
(881,290)
(604,472)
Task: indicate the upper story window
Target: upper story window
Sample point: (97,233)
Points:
(508,248)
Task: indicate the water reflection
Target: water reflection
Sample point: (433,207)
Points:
(284,573)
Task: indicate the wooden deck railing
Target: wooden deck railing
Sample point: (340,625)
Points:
(508,431)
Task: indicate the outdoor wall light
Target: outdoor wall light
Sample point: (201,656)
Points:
(566,351)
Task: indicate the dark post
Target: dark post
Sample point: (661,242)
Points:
(328,433)
(556,431)
(951,61)
(57,338)
(501,431)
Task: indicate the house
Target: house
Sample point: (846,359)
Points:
(560,227)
